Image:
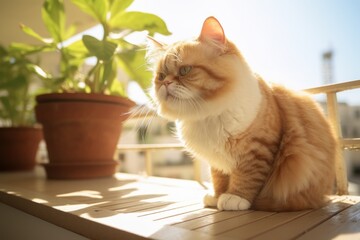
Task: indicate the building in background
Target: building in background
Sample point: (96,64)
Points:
(327,67)
(350,127)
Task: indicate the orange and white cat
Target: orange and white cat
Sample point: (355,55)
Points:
(269,148)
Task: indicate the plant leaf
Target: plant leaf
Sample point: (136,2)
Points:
(139,21)
(29,31)
(103,50)
(117,88)
(53,15)
(117,7)
(6,107)
(96,8)
(134,63)
(78,49)
(37,70)
(24,48)
(14,83)
(70,31)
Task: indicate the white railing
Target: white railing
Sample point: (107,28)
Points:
(333,115)
(147,149)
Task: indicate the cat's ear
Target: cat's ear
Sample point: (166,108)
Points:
(155,50)
(212,30)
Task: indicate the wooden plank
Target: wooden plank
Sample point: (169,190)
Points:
(171,233)
(346,224)
(186,216)
(148,229)
(118,201)
(172,212)
(128,203)
(217,216)
(141,212)
(177,184)
(171,200)
(232,223)
(146,208)
(298,226)
(263,225)
(124,206)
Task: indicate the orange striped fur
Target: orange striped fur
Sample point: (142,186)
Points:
(269,148)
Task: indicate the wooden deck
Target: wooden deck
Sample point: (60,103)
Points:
(135,207)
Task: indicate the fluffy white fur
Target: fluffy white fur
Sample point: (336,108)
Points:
(230,115)
(226,201)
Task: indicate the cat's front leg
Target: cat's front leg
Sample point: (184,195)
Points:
(233,202)
(245,183)
(220,183)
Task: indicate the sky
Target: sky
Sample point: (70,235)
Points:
(282,40)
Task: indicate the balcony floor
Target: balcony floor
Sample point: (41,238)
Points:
(134,207)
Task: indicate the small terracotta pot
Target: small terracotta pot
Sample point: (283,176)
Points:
(18,147)
(81,132)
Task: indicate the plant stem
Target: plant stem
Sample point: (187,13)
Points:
(106,31)
(23,112)
(97,77)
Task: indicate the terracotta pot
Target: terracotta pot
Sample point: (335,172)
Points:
(18,147)
(81,132)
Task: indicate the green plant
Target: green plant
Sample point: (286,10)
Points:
(111,51)
(18,81)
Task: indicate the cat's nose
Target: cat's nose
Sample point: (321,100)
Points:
(167,82)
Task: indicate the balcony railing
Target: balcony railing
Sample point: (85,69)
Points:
(332,110)
(333,115)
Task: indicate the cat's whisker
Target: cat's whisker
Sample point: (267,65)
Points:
(147,119)
(141,115)
(196,102)
(138,111)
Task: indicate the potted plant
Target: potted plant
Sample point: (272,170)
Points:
(19,136)
(82,116)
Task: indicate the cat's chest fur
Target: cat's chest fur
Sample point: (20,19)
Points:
(207,139)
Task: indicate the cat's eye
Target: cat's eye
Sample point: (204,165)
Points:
(184,70)
(161,76)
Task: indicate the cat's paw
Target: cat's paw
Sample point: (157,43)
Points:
(210,200)
(232,202)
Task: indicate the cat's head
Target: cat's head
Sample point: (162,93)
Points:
(197,78)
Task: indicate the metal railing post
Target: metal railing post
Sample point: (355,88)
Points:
(148,163)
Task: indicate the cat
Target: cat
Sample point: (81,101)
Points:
(269,148)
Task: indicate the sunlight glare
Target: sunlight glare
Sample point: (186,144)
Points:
(75,207)
(84,193)
(39,200)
